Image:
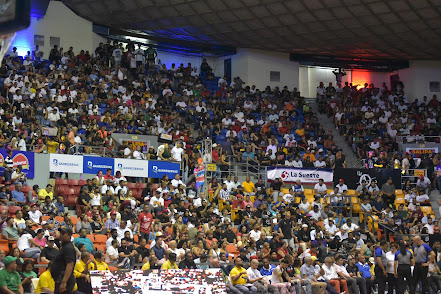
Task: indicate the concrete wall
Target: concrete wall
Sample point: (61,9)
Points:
(417,78)
(61,22)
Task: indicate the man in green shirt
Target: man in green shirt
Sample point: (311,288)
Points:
(10,281)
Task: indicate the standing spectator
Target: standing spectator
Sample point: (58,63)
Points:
(275,189)
(9,166)
(388,192)
(63,264)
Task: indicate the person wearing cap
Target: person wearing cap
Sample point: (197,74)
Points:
(50,251)
(341,186)
(10,281)
(63,265)
(112,222)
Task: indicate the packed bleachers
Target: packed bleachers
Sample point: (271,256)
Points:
(80,102)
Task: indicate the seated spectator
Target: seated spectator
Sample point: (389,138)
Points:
(17,196)
(42,193)
(10,280)
(49,252)
(47,207)
(83,239)
(34,214)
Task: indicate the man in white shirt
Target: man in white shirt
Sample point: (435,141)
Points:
(423,183)
(229,183)
(256,278)
(341,186)
(106,187)
(177,152)
(349,226)
(198,201)
(177,181)
(157,200)
(332,277)
(35,214)
(320,188)
(137,154)
(330,227)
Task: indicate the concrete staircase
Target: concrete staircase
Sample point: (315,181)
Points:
(328,124)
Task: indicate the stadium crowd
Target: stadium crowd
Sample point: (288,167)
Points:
(276,240)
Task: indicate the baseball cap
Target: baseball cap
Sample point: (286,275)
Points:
(8,259)
(51,238)
(371,260)
(239,196)
(44,223)
(304,226)
(242,250)
(112,213)
(421,177)
(341,180)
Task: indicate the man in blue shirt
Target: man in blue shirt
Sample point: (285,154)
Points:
(424,255)
(82,239)
(267,268)
(18,196)
(365,272)
(158,250)
(380,266)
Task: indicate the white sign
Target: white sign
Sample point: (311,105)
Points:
(132,167)
(66,163)
(305,175)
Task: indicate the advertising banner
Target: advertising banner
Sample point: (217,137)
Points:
(305,175)
(199,174)
(131,167)
(354,176)
(23,158)
(94,164)
(191,281)
(417,152)
(66,163)
(158,168)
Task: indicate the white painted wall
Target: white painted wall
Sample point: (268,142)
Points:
(62,22)
(311,76)
(417,78)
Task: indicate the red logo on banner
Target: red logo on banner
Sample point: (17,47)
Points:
(21,159)
(1,159)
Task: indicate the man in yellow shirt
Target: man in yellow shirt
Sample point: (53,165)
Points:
(170,263)
(81,273)
(248,187)
(239,277)
(99,264)
(46,192)
(46,283)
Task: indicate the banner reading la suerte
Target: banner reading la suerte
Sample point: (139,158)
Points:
(305,175)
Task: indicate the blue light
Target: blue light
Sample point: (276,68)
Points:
(24,41)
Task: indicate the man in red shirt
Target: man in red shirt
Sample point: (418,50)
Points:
(108,175)
(145,219)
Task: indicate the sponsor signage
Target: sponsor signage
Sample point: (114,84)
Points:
(131,167)
(23,158)
(93,164)
(66,163)
(417,152)
(157,169)
(305,175)
(354,176)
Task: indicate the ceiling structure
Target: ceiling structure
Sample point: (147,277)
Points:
(373,29)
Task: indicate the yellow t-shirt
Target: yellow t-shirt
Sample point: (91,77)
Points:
(80,266)
(145,266)
(43,193)
(52,146)
(46,281)
(248,186)
(234,272)
(300,132)
(168,265)
(101,266)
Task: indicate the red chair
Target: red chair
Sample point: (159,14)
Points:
(141,186)
(26,189)
(3,208)
(155,186)
(60,182)
(72,182)
(13,209)
(136,194)
(131,186)
(82,182)
(11,188)
(70,200)
(77,190)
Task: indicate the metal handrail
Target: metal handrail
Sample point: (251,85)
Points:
(400,138)
(351,205)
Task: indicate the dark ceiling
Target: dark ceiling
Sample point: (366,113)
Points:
(389,29)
